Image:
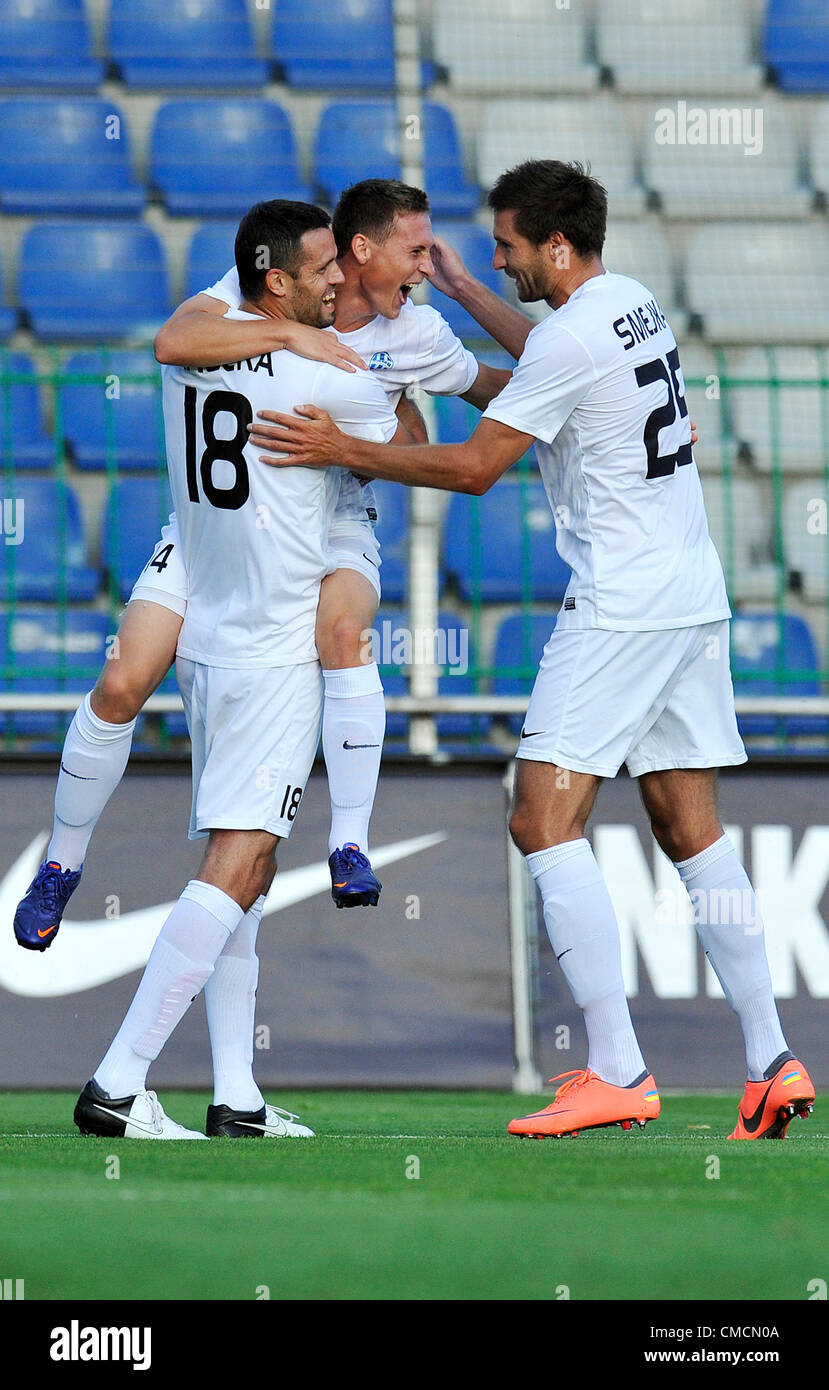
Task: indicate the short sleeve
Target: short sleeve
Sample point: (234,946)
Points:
(447,367)
(227,289)
(356,403)
(552,377)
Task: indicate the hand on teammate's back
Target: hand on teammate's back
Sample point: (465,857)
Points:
(309,436)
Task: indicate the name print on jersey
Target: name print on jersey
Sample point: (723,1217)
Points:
(263,363)
(641,324)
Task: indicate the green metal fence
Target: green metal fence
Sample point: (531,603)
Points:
(764,462)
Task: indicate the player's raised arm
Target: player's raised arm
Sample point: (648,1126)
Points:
(506,325)
(312,440)
(198,335)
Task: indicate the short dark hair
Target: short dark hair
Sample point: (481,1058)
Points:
(549,196)
(371,207)
(269,238)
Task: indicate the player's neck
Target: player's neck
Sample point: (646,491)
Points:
(354,309)
(270,308)
(572,279)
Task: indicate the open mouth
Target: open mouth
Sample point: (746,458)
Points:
(329,299)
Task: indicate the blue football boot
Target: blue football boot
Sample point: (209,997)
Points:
(353,884)
(39,914)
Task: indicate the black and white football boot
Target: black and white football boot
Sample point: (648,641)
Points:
(126,1117)
(269,1122)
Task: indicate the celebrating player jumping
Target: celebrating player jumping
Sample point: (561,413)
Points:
(256,550)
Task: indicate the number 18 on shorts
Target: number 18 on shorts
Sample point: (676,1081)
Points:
(254,733)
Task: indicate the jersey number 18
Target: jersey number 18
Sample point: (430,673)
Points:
(235,496)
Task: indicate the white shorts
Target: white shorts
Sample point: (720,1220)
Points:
(254,732)
(652,700)
(164,577)
(354,546)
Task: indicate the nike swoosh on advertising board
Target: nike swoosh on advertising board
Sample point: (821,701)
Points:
(92,953)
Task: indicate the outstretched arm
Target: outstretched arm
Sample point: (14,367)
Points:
(310,438)
(198,335)
(506,325)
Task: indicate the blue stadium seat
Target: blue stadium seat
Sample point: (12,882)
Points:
(396,646)
(24,442)
(52,551)
(796,44)
(211,255)
(451,193)
(45,653)
(762,644)
(8,316)
(519,642)
(350,45)
(66,154)
(175,725)
(45,45)
(391,674)
(93,280)
(185,43)
(457,420)
(393,502)
(476,248)
(131,522)
(502,546)
(360,140)
(113,420)
(216,158)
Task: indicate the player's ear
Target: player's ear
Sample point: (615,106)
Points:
(276,282)
(559,250)
(360,248)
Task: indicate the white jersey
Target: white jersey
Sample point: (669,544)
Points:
(600,386)
(417,348)
(255,538)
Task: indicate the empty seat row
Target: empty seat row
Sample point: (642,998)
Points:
(497,549)
(772,653)
(196,43)
(768,404)
(211,158)
(697,46)
(698,162)
(742,283)
(216,157)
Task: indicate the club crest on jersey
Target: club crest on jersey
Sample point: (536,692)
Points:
(381,362)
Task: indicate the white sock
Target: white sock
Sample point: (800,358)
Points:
(730,928)
(92,764)
(230,999)
(584,934)
(180,964)
(353,728)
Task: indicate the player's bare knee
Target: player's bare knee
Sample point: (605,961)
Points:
(343,642)
(117,697)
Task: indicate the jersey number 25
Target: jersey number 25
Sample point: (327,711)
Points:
(663,465)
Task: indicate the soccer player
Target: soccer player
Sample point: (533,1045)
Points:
(636,670)
(255,544)
(384,239)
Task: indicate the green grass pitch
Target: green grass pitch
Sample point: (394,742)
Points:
(609,1215)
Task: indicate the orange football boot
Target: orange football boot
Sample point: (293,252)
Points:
(767,1107)
(587,1102)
